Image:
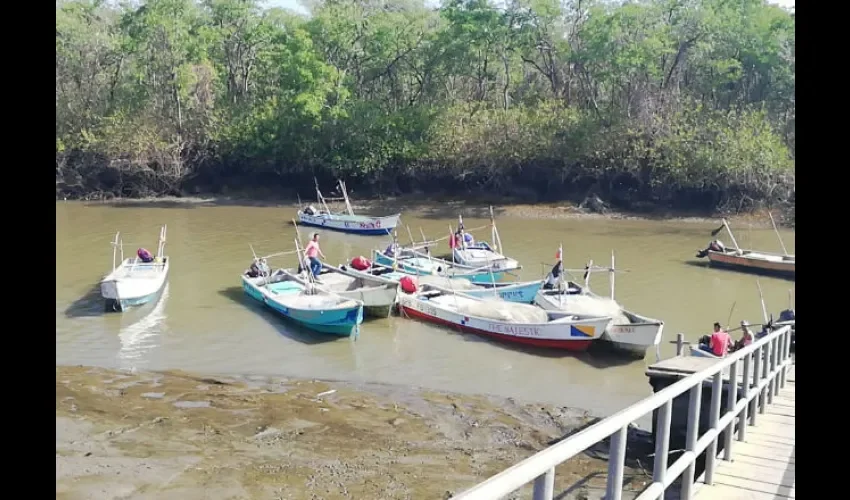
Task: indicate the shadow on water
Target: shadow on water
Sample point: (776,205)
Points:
(596,358)
(285,328)
(90,304)
(753,272)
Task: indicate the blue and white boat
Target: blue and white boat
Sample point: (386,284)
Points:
(521,292)
(347,222)
(136,280)
(302,302)
(421,264)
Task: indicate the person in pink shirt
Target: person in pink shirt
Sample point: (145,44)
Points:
(313,252)
(720,342)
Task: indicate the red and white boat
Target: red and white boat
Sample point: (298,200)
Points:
(507,321)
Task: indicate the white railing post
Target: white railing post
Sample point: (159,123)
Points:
(757,355)
(662,443)
(774,352)
(765,375)
(694,402)
(777,364)
(745,386)
(544,486)
(731,403)
(616,462)
(714,418)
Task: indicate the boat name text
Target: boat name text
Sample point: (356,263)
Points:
(518,331)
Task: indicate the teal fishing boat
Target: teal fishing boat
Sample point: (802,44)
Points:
(302,301)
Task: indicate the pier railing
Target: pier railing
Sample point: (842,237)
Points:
(765,365)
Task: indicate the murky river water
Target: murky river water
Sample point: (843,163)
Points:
(204,323)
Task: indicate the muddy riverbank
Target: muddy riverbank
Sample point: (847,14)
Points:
(176,435)
(421,206)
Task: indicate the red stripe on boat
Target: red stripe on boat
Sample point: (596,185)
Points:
(576,345)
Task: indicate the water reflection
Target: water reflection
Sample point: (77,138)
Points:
(142,336)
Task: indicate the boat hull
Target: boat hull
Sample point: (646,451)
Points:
(573,337)
(130,286)
(696,352)
(367,226)
(378,302)
(339,322)
(776,264)
(438,267)
(377,294)
(634,338)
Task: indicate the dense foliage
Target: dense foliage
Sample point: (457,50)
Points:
(662,102)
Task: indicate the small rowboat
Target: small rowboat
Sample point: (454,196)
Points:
(515,323)
(520,292)
(718,255)
(627,331)
(480,254)
(421,264)
(303,302)
(345,222)
(378,295)
(135,281)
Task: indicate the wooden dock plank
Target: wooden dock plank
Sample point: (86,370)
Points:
(765,465)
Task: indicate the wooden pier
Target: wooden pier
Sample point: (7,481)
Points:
(763,466)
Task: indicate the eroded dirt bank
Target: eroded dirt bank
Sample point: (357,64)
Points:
(174,435)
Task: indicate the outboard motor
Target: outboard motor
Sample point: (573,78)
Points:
(705,340)
(310,210)
(714,246)
(787,315)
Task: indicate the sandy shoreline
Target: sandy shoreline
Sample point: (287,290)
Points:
(422,206)
(176,435)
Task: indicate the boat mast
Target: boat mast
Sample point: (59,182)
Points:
(115,244)
(734,242)
(782,243)
(319,197)
(160,250)
(345,197)
(612,274)
(497,241)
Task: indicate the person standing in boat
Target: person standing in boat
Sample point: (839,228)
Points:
(719,343)
(313,252)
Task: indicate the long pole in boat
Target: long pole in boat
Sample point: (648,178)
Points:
(791,299)
(776,230)
(559,259)
(410,234)
(345,195)
(612,274)
(497,241)
(734,241)
(319,197)
(456,243)
(115,250)
(587,276)
(763,306)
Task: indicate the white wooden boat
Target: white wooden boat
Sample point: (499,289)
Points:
(502,320)
(133,281)
(378,295)
(748,260)
(627,331)
(347,222)
(480,254)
